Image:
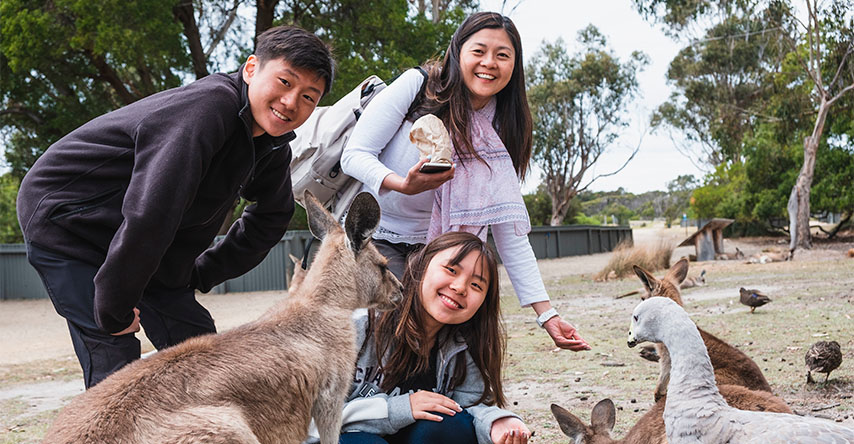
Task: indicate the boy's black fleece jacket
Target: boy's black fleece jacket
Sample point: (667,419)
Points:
(142,191)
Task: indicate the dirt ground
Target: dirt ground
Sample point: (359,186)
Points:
(813,299)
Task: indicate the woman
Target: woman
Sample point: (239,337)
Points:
(478,91)
(439,379)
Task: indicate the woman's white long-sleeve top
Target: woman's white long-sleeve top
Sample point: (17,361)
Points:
(380,146)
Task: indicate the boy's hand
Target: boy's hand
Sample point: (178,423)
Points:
(509,430)
(133,327)
(423,402)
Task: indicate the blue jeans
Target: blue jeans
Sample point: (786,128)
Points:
(457,429)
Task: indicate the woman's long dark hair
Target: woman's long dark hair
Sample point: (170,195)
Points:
(399,335)
(448,98)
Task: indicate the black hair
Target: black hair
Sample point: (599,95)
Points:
(299,48)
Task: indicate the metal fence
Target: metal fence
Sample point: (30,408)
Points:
(20,280)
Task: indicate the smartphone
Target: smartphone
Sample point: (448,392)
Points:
(434,167)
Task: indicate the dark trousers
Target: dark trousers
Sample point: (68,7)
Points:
(168,316)
(397,255)
(457,429)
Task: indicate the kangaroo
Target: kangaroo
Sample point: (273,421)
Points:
(258,383)
(696,281)
(769,256)
(731,365)
(650,427)
(730,256)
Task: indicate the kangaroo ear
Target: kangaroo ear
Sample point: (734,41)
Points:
(649,281)
(678,272)
(320,222)
(604,416)
(570,425)
(362,220)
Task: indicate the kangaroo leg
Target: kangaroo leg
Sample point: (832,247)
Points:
(327,410)
(204,424)
(664,371)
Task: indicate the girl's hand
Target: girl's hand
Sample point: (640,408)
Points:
(509,430)
(423,402)
(416,182)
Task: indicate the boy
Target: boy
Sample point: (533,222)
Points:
(118,215)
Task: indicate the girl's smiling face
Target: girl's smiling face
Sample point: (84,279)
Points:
(486,61)
(452,293)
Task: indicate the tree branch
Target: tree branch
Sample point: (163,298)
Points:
(18,109)
(185,14)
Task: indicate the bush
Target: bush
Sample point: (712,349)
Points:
(625,256)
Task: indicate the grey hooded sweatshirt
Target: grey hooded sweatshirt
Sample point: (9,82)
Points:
(369,409)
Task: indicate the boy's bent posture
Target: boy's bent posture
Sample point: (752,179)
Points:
(118,215)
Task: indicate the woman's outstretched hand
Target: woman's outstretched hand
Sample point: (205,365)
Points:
(425,403)
(564,335)
(509,430)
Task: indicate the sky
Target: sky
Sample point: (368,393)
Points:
(658,160)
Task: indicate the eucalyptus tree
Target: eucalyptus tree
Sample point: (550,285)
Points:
(578,104)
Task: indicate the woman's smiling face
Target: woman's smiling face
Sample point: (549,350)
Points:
(486,62)
(452,293)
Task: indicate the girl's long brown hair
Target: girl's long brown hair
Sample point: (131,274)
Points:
(447,96)
(398,334)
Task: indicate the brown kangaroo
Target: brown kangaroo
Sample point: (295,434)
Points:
(262,382)
(731,365)
(650,427)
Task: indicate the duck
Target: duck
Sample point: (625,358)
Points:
(823,357)
(753,298)
(695,411)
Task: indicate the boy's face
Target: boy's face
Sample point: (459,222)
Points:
(281,96)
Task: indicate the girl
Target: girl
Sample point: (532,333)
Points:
(478,91)
(439,379)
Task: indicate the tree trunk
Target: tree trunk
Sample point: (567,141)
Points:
(799,200)
(185,14)
(560,205)
(264,16)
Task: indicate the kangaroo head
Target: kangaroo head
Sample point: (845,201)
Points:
(668,286)
(356,258)
(602,421)
(739,254)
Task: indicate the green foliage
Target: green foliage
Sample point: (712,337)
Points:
(578,106)
(10,231)
(720,195)
(583,219)
(64,62)
(379,37)
(539,205)
(723,81)
(679,190)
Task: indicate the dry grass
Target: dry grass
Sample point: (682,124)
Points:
(813,299)
(652,258)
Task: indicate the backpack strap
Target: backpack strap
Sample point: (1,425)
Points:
(353,189)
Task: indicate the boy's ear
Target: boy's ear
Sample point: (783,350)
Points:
(250,68)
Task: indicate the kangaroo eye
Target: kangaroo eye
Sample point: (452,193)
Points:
(635,317)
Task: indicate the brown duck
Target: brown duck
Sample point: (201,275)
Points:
(753,298)
(823,357)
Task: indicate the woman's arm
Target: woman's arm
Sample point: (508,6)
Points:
(521,265)
(377,131)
